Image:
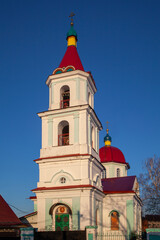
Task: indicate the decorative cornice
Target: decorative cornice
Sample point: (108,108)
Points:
(118,192)
(65,187)
(62,156)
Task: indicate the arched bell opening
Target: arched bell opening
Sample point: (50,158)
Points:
(63,133)
(61,217)
(65,97)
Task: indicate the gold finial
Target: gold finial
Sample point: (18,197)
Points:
(107,138)
(107,127)
(71,16)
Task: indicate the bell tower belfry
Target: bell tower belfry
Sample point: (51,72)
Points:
(69,190)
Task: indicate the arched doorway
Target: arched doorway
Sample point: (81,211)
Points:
(61,215)
(61,219)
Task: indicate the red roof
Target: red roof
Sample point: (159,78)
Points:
(7,216)
(71,58)
(118,185)
(111,154)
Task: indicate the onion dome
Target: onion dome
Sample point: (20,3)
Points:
(107,139)
(71,57)
(109,153)
(71,33)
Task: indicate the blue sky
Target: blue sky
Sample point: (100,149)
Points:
(118,41)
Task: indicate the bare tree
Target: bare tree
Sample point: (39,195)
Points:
(149,182)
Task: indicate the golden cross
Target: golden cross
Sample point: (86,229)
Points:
(107,127)
(71,16)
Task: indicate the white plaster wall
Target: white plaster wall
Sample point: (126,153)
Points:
(137,215)
(32,220)
(76,171)
(83,145)
(57,85)
(83,98)
(85,85)
(83,127)
(44,132)
(56,122)
(115,202)
(49,170)
(75,97)
(41,213)
(111,169)
(86,196)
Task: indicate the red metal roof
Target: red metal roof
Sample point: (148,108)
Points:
(72,58)
(111,154)
(7,216)
(118,185)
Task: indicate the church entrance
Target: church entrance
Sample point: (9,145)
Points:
(62,218)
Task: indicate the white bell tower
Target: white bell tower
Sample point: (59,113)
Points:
(69,165)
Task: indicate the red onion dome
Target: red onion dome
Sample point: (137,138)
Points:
(111,154)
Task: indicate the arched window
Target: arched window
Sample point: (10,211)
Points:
(63,133)
(92,137)
(62,180)
(114,220)
(89,98)
(64,97)
(118,172)
(97,217)
(104,173)
(69,68)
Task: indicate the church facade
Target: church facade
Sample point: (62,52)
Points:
(79,184)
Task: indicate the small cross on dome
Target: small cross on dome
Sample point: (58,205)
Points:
(71,16)
(107,127)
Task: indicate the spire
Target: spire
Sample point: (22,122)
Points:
(71,57)
(71,34)
(107,138)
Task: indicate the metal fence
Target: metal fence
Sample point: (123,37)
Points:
(121,236)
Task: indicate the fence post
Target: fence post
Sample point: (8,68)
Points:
(91,232)
(27,233)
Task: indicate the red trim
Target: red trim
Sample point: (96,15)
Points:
(107,192)
(115,162)
(64,103)
(33,213)
(33,197)
(65,187)
(71,155)
(63,139)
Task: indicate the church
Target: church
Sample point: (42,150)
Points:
(79,184)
